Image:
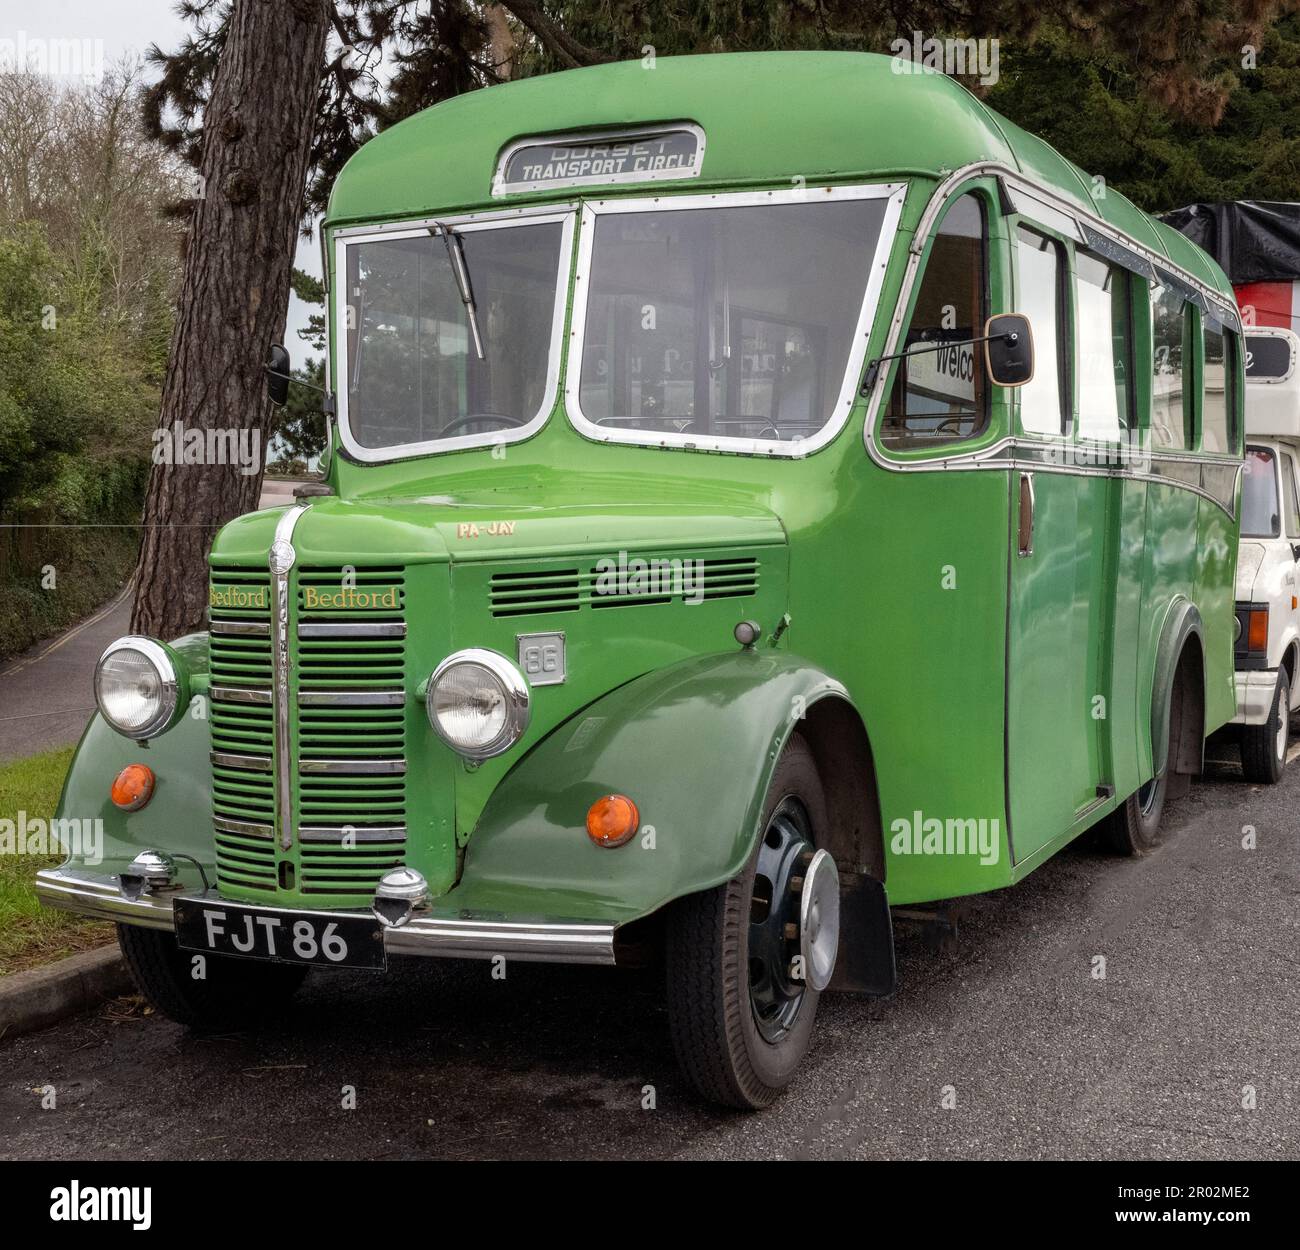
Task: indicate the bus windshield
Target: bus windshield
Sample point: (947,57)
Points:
(1260,513)
(434,355)
(733,322)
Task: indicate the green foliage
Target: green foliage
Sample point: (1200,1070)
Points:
(1095,111)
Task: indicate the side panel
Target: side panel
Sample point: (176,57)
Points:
(1060,634)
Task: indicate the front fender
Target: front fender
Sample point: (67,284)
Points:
(178,819)
(693,745)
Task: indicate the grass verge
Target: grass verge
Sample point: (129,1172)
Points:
(29,933)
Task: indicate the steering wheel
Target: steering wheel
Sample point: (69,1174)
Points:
(471,417)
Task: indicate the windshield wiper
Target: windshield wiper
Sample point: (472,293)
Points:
(460,270)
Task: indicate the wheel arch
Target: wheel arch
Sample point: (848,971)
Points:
(1178,694)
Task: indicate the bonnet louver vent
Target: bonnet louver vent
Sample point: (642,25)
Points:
(652,581)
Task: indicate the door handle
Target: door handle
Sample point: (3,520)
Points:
(1025,529)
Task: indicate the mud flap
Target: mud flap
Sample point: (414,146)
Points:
(866,958)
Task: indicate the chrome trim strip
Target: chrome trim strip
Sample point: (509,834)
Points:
(336,834)
(254,763)
(541,940)
(359,768)
(894,193)
(342,239)
(239,694)
(352,629)
(351,698)
(241,629)
(246,828)
(280,560)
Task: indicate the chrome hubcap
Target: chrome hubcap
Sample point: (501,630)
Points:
(793,923)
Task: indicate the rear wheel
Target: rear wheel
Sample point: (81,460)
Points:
(230,993)
(1263,747)
(744,960)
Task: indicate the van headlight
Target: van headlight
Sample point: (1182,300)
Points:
(138,686)
(477,703)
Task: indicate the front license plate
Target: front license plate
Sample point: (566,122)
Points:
(290,937)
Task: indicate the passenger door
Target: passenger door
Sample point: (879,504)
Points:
(1073,417)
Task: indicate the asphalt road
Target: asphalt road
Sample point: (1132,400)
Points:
(46,696)
(1201,939)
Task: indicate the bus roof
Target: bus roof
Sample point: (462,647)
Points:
(768,117)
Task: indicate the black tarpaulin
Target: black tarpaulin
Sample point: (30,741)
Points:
(1253,240)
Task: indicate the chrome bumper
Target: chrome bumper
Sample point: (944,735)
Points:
(450,936)
(1255,690)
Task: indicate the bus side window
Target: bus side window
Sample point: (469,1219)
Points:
(1105,355)
(1215,434)
(1171,415)
(1040,272)
(941,396)
(1291,504)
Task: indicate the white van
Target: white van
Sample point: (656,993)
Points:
(1268,586)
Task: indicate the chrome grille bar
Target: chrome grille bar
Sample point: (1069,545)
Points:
(248,828)
(280,560)
(339,835)
(239,694)
(253,763)
(241,629)
(352,629)
(351,698)
(370,767)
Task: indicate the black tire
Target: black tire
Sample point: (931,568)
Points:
(235,993)
(1133,828)
(1263,747)
(715,1032)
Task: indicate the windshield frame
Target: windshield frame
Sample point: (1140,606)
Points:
(893,193)
(465,223)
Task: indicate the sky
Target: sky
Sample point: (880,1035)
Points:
(91,32)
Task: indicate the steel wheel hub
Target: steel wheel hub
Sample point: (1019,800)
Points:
(794,920)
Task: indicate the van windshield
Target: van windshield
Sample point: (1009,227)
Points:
(728,322)
(1260,514)
(415,376)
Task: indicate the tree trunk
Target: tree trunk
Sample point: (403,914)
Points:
(257,133)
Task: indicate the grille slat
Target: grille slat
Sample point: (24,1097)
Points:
(657,581)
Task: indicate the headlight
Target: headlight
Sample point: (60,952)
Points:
(478,703)
(137,687)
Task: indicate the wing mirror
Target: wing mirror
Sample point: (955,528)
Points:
(277,375)
(1009,349)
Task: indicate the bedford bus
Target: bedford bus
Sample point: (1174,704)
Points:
(765,490)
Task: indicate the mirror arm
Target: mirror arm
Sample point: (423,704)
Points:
(327,404)
(873,368)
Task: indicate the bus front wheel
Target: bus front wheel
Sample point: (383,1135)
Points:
(740,1008)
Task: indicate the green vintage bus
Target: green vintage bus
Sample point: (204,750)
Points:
(765,490)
